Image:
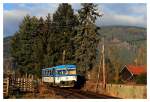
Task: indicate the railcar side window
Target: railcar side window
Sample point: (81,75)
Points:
(44,72)
(50,72)
(64,71)
(59,72)
(72,71)
(53,72)
(47,73)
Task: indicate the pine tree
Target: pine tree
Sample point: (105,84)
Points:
(15,50)
(48,60)
(87,39)
(64,22)
(22,45)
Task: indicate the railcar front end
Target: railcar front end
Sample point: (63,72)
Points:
(65,75)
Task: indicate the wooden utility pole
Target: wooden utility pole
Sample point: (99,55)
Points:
(104,72)
(101,64)
(98,76)
(64,52)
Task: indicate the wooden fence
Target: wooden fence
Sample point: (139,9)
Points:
(24,84)
(5,87)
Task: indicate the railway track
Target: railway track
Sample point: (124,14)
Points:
(78,94)
(92,94)
(68,94)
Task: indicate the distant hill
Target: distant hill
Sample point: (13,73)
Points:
(126,41)
(6,47)
(123,33)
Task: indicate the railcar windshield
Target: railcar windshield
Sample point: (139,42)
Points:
(66,72)
(61,72)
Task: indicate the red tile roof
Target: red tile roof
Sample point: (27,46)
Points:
(137,70)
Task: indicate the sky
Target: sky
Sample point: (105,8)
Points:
(124,14)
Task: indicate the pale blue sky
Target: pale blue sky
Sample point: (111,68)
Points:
(130,14)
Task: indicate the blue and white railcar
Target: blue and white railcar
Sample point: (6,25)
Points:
(62,75)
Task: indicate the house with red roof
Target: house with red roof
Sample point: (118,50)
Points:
(129,72)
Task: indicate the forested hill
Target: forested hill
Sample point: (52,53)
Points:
(6,46)
(123,33)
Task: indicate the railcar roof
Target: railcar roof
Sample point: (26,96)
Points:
(68,66)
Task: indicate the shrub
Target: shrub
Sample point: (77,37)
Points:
(141,79)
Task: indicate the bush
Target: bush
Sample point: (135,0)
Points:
(141,79)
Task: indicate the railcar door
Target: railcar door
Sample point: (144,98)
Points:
(53,73)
